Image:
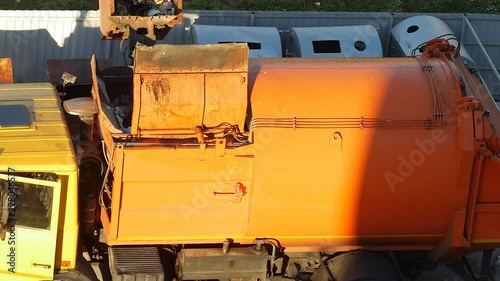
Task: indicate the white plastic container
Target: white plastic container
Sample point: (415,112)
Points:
(263,42)
(414,32)
(335,41)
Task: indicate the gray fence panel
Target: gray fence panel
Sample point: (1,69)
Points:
(487,28)
(32,37)
(238,18)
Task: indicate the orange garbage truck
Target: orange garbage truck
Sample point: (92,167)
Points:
(199,163)
(302,156)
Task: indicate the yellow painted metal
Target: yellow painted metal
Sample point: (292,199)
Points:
(30,252)
(68,221)
(44,147)
(46,144)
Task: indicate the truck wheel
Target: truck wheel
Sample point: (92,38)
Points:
(358,266)
(82,272)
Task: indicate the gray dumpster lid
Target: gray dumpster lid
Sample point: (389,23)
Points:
(336,41)
(263,42)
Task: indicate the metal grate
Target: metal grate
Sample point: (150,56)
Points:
(136,264)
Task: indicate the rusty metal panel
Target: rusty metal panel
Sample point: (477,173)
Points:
(170,102)
(205,85)
(226,99)
(6,74)
(117,19)
(191,58)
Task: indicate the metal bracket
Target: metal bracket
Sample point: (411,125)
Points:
(220,147)
(335,144)
(468,103)
(203,148)
(234,196)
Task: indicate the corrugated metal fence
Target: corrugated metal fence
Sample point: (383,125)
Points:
(32,37)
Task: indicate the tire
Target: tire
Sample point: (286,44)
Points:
(359,266)
(82,272)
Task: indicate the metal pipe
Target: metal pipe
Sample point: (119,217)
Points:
(259,242)
(488,59)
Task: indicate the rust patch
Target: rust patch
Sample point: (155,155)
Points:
(160,89)
(6,75)
(192,58)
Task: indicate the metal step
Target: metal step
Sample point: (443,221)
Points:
(135,264)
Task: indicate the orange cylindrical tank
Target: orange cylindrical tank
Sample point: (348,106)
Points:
(343,154)
(351,152)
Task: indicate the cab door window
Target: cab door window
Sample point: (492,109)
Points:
(27,204)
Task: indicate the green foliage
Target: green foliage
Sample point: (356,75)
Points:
(436,6)
(451,6)
(256,5)
(49,5)
(410,6)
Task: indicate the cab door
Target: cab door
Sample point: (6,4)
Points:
(28,246)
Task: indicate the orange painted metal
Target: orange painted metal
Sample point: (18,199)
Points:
(352,177)
(6,74)
(344,154)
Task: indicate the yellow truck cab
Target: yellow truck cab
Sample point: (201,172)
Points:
(38,181)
